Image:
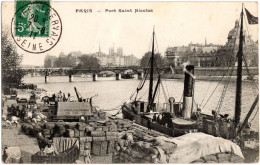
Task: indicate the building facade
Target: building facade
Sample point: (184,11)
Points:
(212,55)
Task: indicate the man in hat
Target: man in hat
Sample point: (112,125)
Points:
(87,155)
(41,141)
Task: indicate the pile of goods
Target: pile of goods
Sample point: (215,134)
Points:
(99,136)
(220,158)
(130,148)
(97,115)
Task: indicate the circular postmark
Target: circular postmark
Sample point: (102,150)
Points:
(36,26)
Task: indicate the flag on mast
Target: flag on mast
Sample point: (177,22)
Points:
(251,19)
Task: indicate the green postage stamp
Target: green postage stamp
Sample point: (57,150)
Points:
(36,26)
(32,18)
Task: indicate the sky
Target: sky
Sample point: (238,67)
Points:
(176,24)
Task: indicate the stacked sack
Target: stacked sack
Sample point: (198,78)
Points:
(136,152)
(98,115)
(123,125)
(220,158)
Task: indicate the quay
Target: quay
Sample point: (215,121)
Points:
(109,139)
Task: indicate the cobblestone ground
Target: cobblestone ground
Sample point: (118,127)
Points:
(12,137)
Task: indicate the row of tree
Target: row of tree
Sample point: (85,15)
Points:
(85,61)
(11,73)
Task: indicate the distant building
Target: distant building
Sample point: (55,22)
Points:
(116,58)
(228,52)
(111,51)
(211,55)
(120,51)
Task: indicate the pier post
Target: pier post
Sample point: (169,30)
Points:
(140,76)
(70,78)
(94,77)
(46,78)
(32,72)
(188,92)
(198,62)
(118,76)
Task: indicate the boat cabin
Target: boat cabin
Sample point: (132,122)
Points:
(140,107)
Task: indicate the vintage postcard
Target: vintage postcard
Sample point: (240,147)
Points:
(129,82)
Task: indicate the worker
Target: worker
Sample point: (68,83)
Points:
(149,124)
(64,98)
(30,114)
(82,119)
(49,149)
(154,117)
(23,113)
(53,97)
(4,157)
(41,141)
(12,110)
(17,111)
(69,98)
(87,155)
(59,96)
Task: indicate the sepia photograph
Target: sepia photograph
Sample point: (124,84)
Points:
(112,82)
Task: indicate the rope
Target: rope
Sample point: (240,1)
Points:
(165,96)
(218,84)
(220,102)
(143,95)
(118,112)
(158,97)
(206,93)
(232,63)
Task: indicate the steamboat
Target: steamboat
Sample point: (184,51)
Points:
(178,118)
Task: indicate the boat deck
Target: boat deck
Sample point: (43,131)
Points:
(180,121)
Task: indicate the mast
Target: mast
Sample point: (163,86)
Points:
(150,97)
(239,75)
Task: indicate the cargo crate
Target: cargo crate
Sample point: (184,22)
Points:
(96,145)
(69,156)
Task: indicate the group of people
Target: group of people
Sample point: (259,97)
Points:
(16,111)
(59,97)
(162,119)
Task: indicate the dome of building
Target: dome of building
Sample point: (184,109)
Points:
(234,32)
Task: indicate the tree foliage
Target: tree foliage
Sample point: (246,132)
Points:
(62,62)
(88,62)
(158,60)
(10,60)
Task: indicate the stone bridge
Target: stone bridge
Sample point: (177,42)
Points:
(72,71)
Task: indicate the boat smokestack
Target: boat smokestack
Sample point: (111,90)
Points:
(188,92)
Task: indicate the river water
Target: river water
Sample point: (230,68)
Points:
(112,93)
